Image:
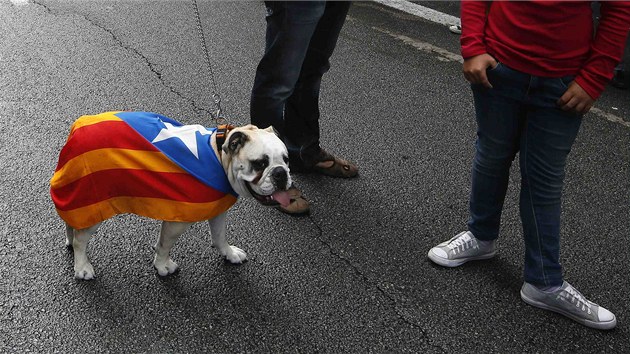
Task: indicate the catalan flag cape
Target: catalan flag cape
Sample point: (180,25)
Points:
(141,163)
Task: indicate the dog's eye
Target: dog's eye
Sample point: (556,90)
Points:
(259,165)
(286,159)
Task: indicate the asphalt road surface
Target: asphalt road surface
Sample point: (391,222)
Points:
(351,277)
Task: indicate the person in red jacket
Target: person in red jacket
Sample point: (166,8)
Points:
(535,68)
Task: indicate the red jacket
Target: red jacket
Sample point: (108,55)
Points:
(549,38)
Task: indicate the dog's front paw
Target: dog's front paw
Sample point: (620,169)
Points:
(165,268)
(235,255)
(84,272)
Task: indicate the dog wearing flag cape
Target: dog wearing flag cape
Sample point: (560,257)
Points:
(150,165)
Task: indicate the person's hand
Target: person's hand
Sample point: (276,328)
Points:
(575,99)
(475,69)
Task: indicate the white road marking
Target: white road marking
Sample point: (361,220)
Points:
(609,116)
(445,55)
(421,11)
(19,2)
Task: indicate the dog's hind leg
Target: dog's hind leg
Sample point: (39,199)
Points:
(69,235)
(168,236)
(82,267)
(218,230)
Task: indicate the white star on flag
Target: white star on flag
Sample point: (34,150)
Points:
(187,134)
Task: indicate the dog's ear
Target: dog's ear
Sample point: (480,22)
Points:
(271,129)
(235,142)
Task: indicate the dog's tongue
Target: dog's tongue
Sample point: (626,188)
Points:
(281,197)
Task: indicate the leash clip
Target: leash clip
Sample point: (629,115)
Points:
(219,118)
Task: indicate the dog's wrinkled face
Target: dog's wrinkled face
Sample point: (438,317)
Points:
(256,163)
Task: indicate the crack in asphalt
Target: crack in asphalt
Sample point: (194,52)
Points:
(150,65)
(376,285)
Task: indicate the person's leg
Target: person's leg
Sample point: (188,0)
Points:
(290,26)
(499,114)
(302,108)
(545,144)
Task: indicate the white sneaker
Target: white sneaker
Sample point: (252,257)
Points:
(457,29)
(460,249)
(569,302)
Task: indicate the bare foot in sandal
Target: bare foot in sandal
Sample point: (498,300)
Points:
(297,205)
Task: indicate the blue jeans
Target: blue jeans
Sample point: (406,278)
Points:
(519,114)
(301,36)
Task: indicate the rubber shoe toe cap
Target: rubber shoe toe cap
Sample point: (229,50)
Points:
(604,315)
(439,252)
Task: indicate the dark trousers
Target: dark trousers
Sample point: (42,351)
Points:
(301,36)
(519,114)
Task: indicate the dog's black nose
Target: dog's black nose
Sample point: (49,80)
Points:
(279,177)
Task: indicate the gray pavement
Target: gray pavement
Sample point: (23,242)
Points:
(351,277)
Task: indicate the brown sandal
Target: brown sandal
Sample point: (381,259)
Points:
(298,205)
(336,167)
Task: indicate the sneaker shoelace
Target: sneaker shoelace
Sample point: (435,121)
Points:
(461,244)
(574,297)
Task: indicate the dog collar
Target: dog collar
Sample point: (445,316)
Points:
(222,132)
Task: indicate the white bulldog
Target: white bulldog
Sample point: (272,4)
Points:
(256,164)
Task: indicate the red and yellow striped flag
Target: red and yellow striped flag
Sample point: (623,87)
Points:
(140,163)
